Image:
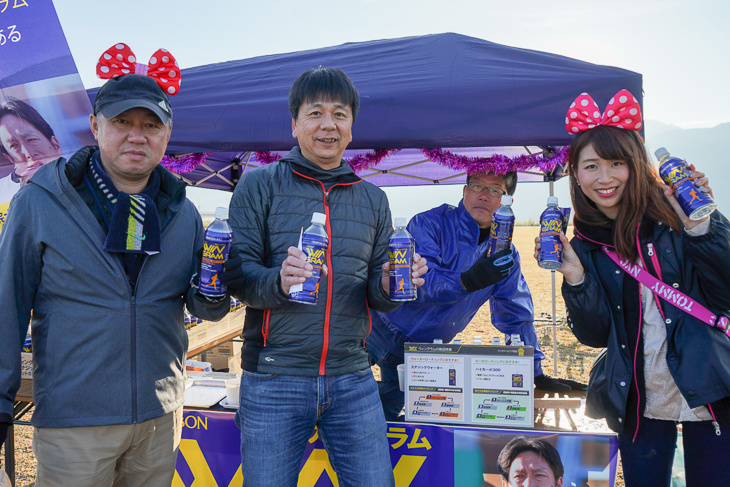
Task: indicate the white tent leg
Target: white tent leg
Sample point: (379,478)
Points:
(555,338)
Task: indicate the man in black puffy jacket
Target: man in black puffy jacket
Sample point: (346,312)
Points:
(304,365)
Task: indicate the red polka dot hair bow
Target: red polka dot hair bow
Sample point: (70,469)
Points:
(623,111)
(119,60)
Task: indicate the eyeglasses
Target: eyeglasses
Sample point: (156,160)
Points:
(493,192)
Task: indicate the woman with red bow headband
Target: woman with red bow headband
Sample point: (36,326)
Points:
(653,288)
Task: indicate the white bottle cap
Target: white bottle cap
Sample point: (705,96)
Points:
(506,200)
(496,341)
(552,201)
(457,342)
(661,152)
(221,213)
(400,222)
(438,340)
(320,218)
(477,340)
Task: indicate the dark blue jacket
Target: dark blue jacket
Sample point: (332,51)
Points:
(270,206)
(603,311)
(448,237)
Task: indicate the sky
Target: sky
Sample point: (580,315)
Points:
(680,47)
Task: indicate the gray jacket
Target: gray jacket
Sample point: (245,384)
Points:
(102,354)
(270,206)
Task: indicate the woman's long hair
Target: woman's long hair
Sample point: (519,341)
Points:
(642,196)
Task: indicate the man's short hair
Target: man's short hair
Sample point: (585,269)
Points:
(328,84)
(521,444)
(20,109)
(509,179)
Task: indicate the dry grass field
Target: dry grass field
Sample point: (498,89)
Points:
(574,360)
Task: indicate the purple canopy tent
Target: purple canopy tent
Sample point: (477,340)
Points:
(448,91)
(464,96)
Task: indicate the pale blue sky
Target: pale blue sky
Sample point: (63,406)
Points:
(680,47)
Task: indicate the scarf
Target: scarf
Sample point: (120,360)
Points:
(134,227)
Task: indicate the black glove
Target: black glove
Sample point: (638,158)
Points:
(486,271)
(232,276)
(3,433)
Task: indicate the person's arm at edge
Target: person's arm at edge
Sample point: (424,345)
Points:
(20,274)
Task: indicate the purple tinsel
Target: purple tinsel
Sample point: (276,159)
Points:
(185,163)
(497,164)
(358,163)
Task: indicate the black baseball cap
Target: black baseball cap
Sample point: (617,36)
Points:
(132,91)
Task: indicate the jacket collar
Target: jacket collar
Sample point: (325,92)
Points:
(596,236)
(343,174)
(172,189)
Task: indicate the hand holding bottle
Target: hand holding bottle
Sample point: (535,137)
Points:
(571,268)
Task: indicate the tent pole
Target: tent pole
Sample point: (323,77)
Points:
(555,339)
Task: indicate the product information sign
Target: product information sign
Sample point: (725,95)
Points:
(469,384)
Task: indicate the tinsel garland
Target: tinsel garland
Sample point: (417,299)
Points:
(184,163)
(497,164)
(358,163)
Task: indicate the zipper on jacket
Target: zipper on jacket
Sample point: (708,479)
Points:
(330,277)
(133,316)
(265,325)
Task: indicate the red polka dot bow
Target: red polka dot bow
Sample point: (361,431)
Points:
(119,60)
(623,111)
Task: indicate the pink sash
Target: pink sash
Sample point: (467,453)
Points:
(670,295)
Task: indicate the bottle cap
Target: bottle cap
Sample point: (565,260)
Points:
(400,222)
(438,340)
(552,201)
(221,213)
(661,152)
(320,218)
(506,200)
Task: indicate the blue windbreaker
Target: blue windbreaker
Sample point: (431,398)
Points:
(448,238)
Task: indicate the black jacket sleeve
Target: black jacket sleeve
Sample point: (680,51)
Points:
(249,211)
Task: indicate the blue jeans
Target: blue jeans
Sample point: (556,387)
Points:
(647,462)
(277,417)
(386,351)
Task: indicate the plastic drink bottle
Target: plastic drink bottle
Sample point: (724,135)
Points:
(551,226)
(401,249)
(675,172)
(217,243)
(314,243)
(500,233)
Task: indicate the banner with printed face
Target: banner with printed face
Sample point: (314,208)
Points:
(44,109)
(421,455)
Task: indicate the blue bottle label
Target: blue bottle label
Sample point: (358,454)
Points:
(316,249)
(675,173)
(28,345)
(500,234)
(215,253)
(400,253)
(551,248)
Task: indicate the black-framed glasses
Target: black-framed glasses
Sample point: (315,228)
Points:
(493,192)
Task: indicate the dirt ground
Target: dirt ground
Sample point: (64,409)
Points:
(574,360)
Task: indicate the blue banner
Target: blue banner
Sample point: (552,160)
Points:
(421,455)
(44,109)
(32,44)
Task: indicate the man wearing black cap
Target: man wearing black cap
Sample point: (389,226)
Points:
(101,248)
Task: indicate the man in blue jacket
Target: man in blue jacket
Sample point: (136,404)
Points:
(101,249)
(460,280)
